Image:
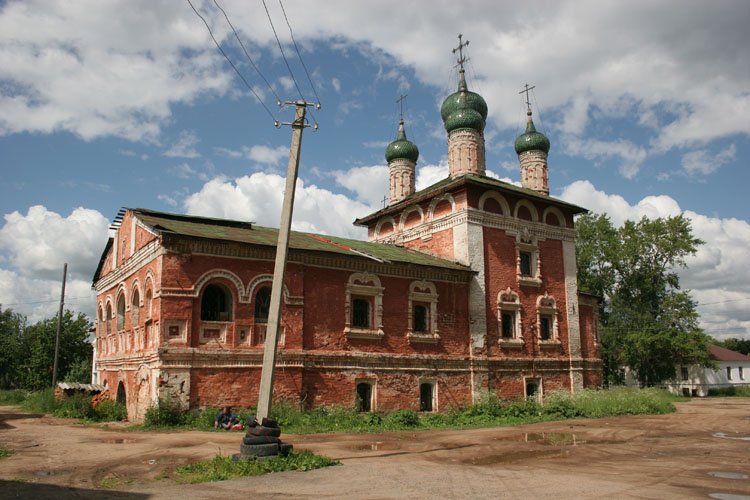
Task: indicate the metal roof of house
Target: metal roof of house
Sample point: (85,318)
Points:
(81,387)
(723,354)
(246,232)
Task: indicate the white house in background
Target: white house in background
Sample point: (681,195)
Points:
(733,370)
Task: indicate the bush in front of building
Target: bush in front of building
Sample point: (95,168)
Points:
(110,411)
(165,413)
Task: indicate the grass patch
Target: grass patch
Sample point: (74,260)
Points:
(222,468)
(5,452)
(75,406)
(742,392)
(13,397)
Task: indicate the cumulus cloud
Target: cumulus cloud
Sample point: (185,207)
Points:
(266,155)
(36,245)
(717,275)
(258,198)
(370,184)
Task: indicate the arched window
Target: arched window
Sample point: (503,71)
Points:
(363,307)
(262,305)
(216,304)
(422,321)
(121,312)
(135,308)
(509,316)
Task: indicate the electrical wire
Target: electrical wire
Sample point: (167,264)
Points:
(291,34)
(237,36)
(236,70)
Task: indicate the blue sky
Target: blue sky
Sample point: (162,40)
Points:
(129,103)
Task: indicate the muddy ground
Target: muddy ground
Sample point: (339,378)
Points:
(701,451)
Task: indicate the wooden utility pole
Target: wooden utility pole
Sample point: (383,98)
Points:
(59,326)
(274,314)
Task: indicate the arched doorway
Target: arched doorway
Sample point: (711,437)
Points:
(121,394)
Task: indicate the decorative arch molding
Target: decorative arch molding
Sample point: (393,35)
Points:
(220,274)
(150,278)
(122,290)
(382,222)
(557,212)
(407,212)
(136,287)
(268,278)
(435,202)
(530,206)
(494,195)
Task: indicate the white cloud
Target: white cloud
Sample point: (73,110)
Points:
(717,275)
(286,83)
(37,245)
(336,84)
(702,162)
(186,171)
(430,174)
(631,155)
(370,184)
(267,155)
(185,146)
(258,198)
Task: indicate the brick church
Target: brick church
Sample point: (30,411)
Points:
(463,288)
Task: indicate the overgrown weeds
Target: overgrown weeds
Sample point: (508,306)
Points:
(742,392)
(222,468)
(75,406)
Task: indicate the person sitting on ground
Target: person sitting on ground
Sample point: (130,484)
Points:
(226,419)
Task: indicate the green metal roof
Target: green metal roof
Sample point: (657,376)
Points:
(246,232)
(401,147)
(453,182)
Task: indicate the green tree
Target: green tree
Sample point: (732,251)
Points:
(37,349)
(648,323)
(11,330)
(737,345)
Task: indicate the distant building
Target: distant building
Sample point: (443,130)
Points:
(733,371)
(465,287)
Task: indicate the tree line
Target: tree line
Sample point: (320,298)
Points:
(27,350)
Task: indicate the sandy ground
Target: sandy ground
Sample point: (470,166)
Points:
(701,451)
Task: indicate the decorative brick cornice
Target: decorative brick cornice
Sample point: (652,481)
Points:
(134,263)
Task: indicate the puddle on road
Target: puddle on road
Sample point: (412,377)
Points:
(377,446)
(728,496)
(724,435)
(513,456)
(728,475)
(47,473)
(544,438)
(119,441)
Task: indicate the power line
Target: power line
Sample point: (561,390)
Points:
(278,42)
(237,36)
(291,34)
(218,46)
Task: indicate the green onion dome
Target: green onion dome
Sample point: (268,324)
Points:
(463,108)
(401,148)
(531,140)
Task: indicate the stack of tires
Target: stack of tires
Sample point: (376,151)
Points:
(262,441)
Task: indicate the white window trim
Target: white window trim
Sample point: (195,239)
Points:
(364,285)
(423,292)
(508,301)
(181,324)
(526,243)
(547,306)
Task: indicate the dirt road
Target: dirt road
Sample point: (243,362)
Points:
(701,451)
